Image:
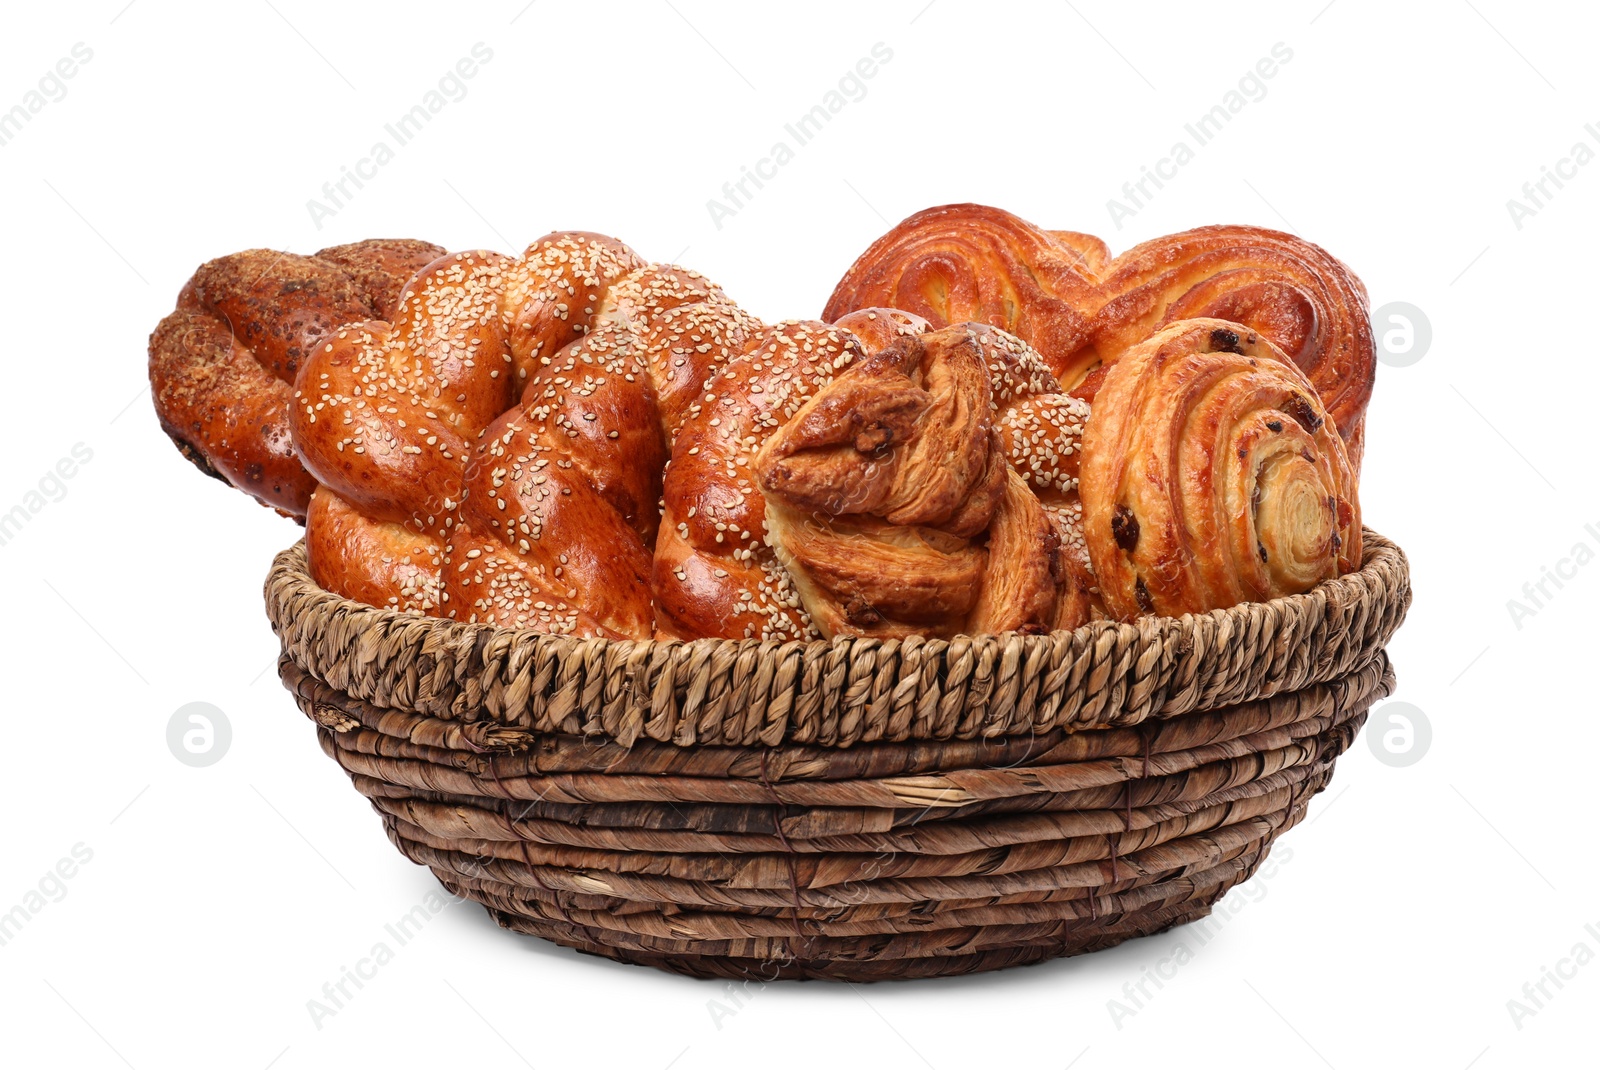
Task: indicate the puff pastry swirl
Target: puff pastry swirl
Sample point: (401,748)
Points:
(1064,294)
(1212,475)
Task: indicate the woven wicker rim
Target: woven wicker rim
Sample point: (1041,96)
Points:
(848,690)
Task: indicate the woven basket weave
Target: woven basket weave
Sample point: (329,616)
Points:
(856,809)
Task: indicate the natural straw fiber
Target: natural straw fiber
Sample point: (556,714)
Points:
(856,809)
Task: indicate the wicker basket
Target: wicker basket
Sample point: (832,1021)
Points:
(855,809)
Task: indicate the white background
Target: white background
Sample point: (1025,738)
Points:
(217,902)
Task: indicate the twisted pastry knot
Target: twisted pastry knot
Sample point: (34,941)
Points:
(1082,309)
(714,574)
(1212,476)
(440,496)
(892,500)
(223,363)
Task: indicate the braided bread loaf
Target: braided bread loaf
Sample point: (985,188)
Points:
(713,573)
(562,504)
(1063,293)
(386,416)
(440,496)
(873,477)
(223,363)
(579,442)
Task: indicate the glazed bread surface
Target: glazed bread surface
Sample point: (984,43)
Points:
(1067,296)
(222,365)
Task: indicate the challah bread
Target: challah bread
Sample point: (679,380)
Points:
(450,499)
(562,503)
(222,365)
(386,564)
(713,573)
(386,416)
(1063,293)
(578,442)
(1213,475)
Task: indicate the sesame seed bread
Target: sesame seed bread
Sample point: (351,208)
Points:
(223,363)
(579,442)
(497,450)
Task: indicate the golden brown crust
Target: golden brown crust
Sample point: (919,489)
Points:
(876,486)
(1061,292)
(877,328)
(386,417)
(1023,584)
(862,576)
(563,502)
(380,563)
(1213,475)
(223,363)
(714,574)
(497,451)
(906,435)
(1301,299)
(897,504)
(969,262)
(539,514)
(381,267)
